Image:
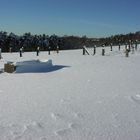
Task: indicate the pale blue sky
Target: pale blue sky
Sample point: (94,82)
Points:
(94,18)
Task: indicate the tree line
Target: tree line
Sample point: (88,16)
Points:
(30,42)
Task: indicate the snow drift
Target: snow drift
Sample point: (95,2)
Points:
(33,66)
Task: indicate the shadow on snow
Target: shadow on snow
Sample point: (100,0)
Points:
(40,69)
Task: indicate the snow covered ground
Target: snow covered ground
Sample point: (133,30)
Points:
(77,98)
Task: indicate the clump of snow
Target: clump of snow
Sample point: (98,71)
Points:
(33,66)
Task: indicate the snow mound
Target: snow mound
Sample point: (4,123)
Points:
(33,66)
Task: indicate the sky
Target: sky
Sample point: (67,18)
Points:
(93,18)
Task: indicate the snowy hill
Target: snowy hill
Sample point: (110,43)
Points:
(78,97)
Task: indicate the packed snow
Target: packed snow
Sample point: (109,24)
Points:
(70,96)
(33,66)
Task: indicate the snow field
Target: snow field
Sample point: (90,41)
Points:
(84,98)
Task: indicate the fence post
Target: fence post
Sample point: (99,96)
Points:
(83,51)
(127,53)
(49,50)
(94,50)
(111,47)
(136,45)
(20,52)
(119,46)
(0,54)
(57,49)
(103,51)
(37,51)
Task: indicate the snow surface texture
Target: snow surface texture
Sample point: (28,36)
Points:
(80,97)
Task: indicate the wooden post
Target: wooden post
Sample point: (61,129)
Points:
(111,47)
(85,50)
(119,46)
(49,50)
(94,50)
(37,51)
(127,53)
(132,49)
(0,54)
(136,45)
(10,49)
(129,45)
(103,51)
(20,51)
(57,49)
(125,46)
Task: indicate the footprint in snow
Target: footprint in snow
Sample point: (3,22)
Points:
(56,116)
(1,91)
(4,131)
(78,115)
(43,138)
(16,129)
(73,126)
(62,132)
(64,101)
(17,132)
(33,126)
(136,98)
(37,125)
